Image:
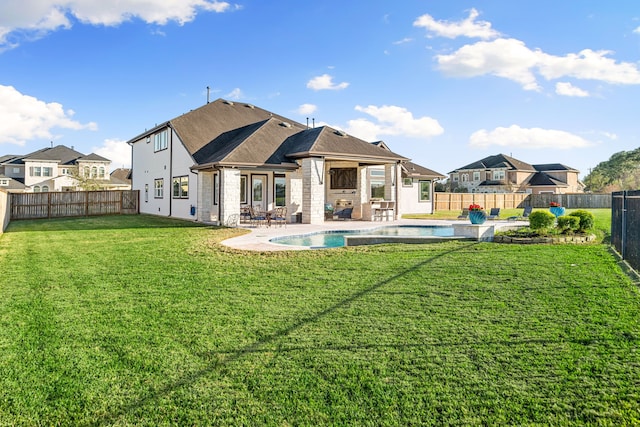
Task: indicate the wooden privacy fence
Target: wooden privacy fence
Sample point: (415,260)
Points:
(459,201)
(73,203)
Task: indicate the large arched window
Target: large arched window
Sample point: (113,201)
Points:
(45,188)
(36,189)
(101,172)
(94,171)
(87,171)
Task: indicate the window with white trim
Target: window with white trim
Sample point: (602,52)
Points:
(476,176)
(160,141)
(425,191)
(158,188)
(4,182)
(498,175)
(35,171)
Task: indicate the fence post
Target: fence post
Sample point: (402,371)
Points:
(623,216)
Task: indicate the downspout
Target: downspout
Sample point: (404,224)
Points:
(397,169)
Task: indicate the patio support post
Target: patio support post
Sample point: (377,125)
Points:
(205,197)
(229,196)
(313,190)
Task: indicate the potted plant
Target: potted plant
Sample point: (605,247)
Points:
(477,214)
(556,209)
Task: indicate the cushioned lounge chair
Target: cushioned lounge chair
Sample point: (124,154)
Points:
(343,213)
(464,214)
(494,213)
(525,214)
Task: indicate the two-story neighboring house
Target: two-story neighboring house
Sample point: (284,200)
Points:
(57,168)
(504,174)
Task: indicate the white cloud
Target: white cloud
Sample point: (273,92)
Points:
(567,89)
(116,150)
(513,60)
(532,138)
(589,65)
(24,118)
(39,17)
(637,30)
(392,120)
(306,109)
(325,82)
(235,94)
(404,40)
(468,27)
(507,58)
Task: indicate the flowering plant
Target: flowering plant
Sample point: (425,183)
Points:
(474,208)
(554,205)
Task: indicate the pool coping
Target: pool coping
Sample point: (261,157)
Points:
(258,239)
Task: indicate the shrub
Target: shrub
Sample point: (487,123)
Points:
(586,219)
(568,223)
(541,220)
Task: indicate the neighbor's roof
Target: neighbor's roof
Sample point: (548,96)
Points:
(542,179)
(554,167)
(499,161)
(121,175)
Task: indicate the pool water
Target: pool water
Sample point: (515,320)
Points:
(335,238)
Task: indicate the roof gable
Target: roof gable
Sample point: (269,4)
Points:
(498,161)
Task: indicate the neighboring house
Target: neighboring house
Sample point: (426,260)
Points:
(210,162)
(56,168)
(504,174)
(121,178)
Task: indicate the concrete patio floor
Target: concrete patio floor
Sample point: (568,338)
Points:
(258,238)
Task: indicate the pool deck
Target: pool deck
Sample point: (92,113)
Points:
(258,238)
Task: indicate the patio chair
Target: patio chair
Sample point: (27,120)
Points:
(525,214)
(464,214)
(279,217)
(494,213)
(257,217)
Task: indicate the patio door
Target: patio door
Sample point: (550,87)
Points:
(259,191)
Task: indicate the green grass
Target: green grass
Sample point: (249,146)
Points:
(145,321)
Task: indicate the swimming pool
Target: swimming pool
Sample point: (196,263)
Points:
(335,238)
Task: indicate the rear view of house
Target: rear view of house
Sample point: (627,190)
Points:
(209,163)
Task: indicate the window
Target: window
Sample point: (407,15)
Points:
(101,172)
(181,187)
(243,189)
(16,170)
(465,177)
(216,188)
(407,182)
(425,191)
(280,184)
(158,188)
(36,189)
(64,171)
(87,171)
(36,171)
(94,172)
(498,175)
(476,176)
(4,182)
(45,188)
(160,141)
(455,178)
(47,171)
(344,178)
(376,183)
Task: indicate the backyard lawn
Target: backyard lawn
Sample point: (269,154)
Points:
(138,320)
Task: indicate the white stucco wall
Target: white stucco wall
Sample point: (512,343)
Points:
(148,166)
(409,199)
(5,210)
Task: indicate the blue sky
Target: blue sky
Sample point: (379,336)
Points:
(444,83)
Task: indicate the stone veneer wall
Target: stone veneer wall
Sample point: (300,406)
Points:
(5,209)
(229,196)
(313,191)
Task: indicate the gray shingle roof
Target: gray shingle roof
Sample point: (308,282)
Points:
(498,161)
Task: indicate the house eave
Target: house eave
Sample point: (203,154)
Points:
(263,166)
(347,157)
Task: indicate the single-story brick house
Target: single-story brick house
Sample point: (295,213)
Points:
(225,155)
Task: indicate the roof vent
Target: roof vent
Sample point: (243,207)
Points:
(228,102)
(340,133)
(285,124)
(249,106)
